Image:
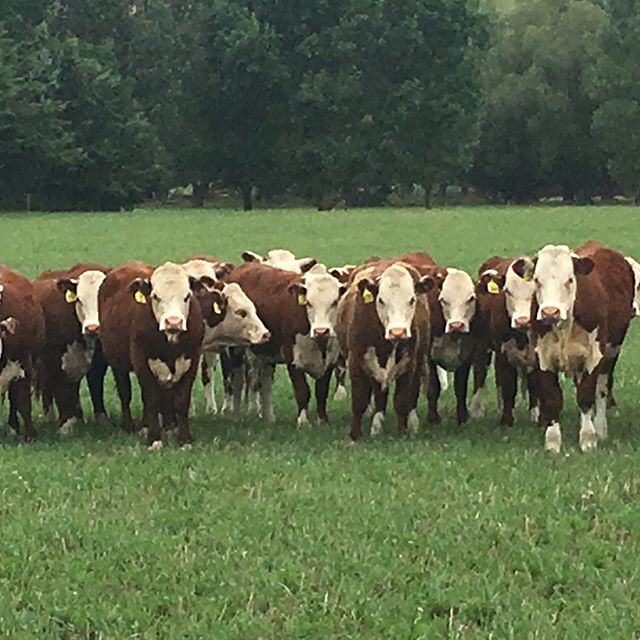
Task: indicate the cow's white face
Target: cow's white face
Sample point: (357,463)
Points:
(555,282)
(458,301)
(281,259)
(636,277)
(320,293)
(83,294)
(7,326)
(241,324)
(396,302)
(518,295)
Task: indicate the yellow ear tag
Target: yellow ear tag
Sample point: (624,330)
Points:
(302,299)
(216,309)
(367,296)
(528,276)
(70,297)
(493,287)
(139,297)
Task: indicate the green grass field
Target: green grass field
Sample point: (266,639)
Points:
(268,532)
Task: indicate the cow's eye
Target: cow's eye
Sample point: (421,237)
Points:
(412,301)
(570,281)
(241,313)
(537,283)
(471,299)
(155,297)
(508,293)
(334,303)
(186,298)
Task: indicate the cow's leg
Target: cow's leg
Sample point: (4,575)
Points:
(123,387)
(253,368)
(208,371)
(322,393)
(20,398)
(380,396)
(67,397)
(265,378)
(601,403)
(534,397)
(226,367)
(461,379)
(432,395)
(497,373)
(181,402)
(95,382)
(14,426)
(480,368)
(360,396)
(586,392)
(341,378)
(611,365)
(405,401)
(301,394)
(443,378)
(550,408)
(508,388)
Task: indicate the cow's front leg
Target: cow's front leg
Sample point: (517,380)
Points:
(405,401)
(182,400)
(550,408)
(20,400)
(95,382)
(586,392)
(360,396)
(322,393)
(380,397)
(461,379)
(208,372)
(301,393)
(152,411)
(265,379)
(534,397)
(480,368)
(123,386)
(433,393)
(508,388)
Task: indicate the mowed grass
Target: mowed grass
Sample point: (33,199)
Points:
(268,532)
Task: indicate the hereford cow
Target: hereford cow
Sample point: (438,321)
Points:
(504,303)
(299,310)
(69,300)
(635,266)
(152,324)
(281,259)
(582,308)
(22,339)
(383,331)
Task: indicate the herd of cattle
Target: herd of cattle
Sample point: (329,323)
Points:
(402,321)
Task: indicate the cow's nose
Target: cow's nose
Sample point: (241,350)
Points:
(266,336)
(174,323)
(398,333)
(522,322)
(550,314)
(456,326)
(318,332)
(91,329)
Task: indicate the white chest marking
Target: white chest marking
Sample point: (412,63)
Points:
(393,368)
(164,375)
(309,357)
(520,357)
(572,350)
(76,361)
(11,371)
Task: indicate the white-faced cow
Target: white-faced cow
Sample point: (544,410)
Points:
(281,259)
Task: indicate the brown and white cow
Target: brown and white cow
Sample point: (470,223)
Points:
(383,331)
(635,266)
(299,310)
(152,324)
(21,341)
(504,304)
(281,259)
(582,308)
(69,300)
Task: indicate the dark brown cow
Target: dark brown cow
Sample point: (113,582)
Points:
(504,306)
(383,331)
(69,300)
(582,308)
(152,324)
(299,310)
(21,341)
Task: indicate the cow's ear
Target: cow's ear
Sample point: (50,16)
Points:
(425,284)
(223,270)
(251,256)
(583,266)
(368,289)
(300,291)
(203,283)
(306,263)
(70,288)
(8,325)
(524,267)
(490,281)
(141,289)
(218,303)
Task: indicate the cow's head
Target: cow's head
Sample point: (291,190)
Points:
(83,294)
(241,324)
(554,276)
(635,266)
(215,272)
(8,326)
(342,274)
(394,294)
(281,259)
(169,292)
(319,293)
(457,300)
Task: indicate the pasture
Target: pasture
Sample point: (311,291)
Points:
(269,532)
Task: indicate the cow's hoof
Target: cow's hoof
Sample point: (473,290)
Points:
(413,422)
(477,406)
(66,429)
(101,418)
(535,415)
(144,432)
(588,440)
(186,446)
(377,423)
(156,445)
(303,420)
(211,409)
(553,438)
(340,394)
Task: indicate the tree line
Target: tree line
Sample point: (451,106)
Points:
(108,103)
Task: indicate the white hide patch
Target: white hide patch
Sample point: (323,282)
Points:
(11,371)
(553,438)
(164,375)
(458,300)
(303,420)
(377,423)
(588,437)
(308,357)
(393,368)
(413,422)
(570,349)
(76,361)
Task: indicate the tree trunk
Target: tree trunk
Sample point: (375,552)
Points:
(428,194)
(200,192)
(247,197)
(327,202)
